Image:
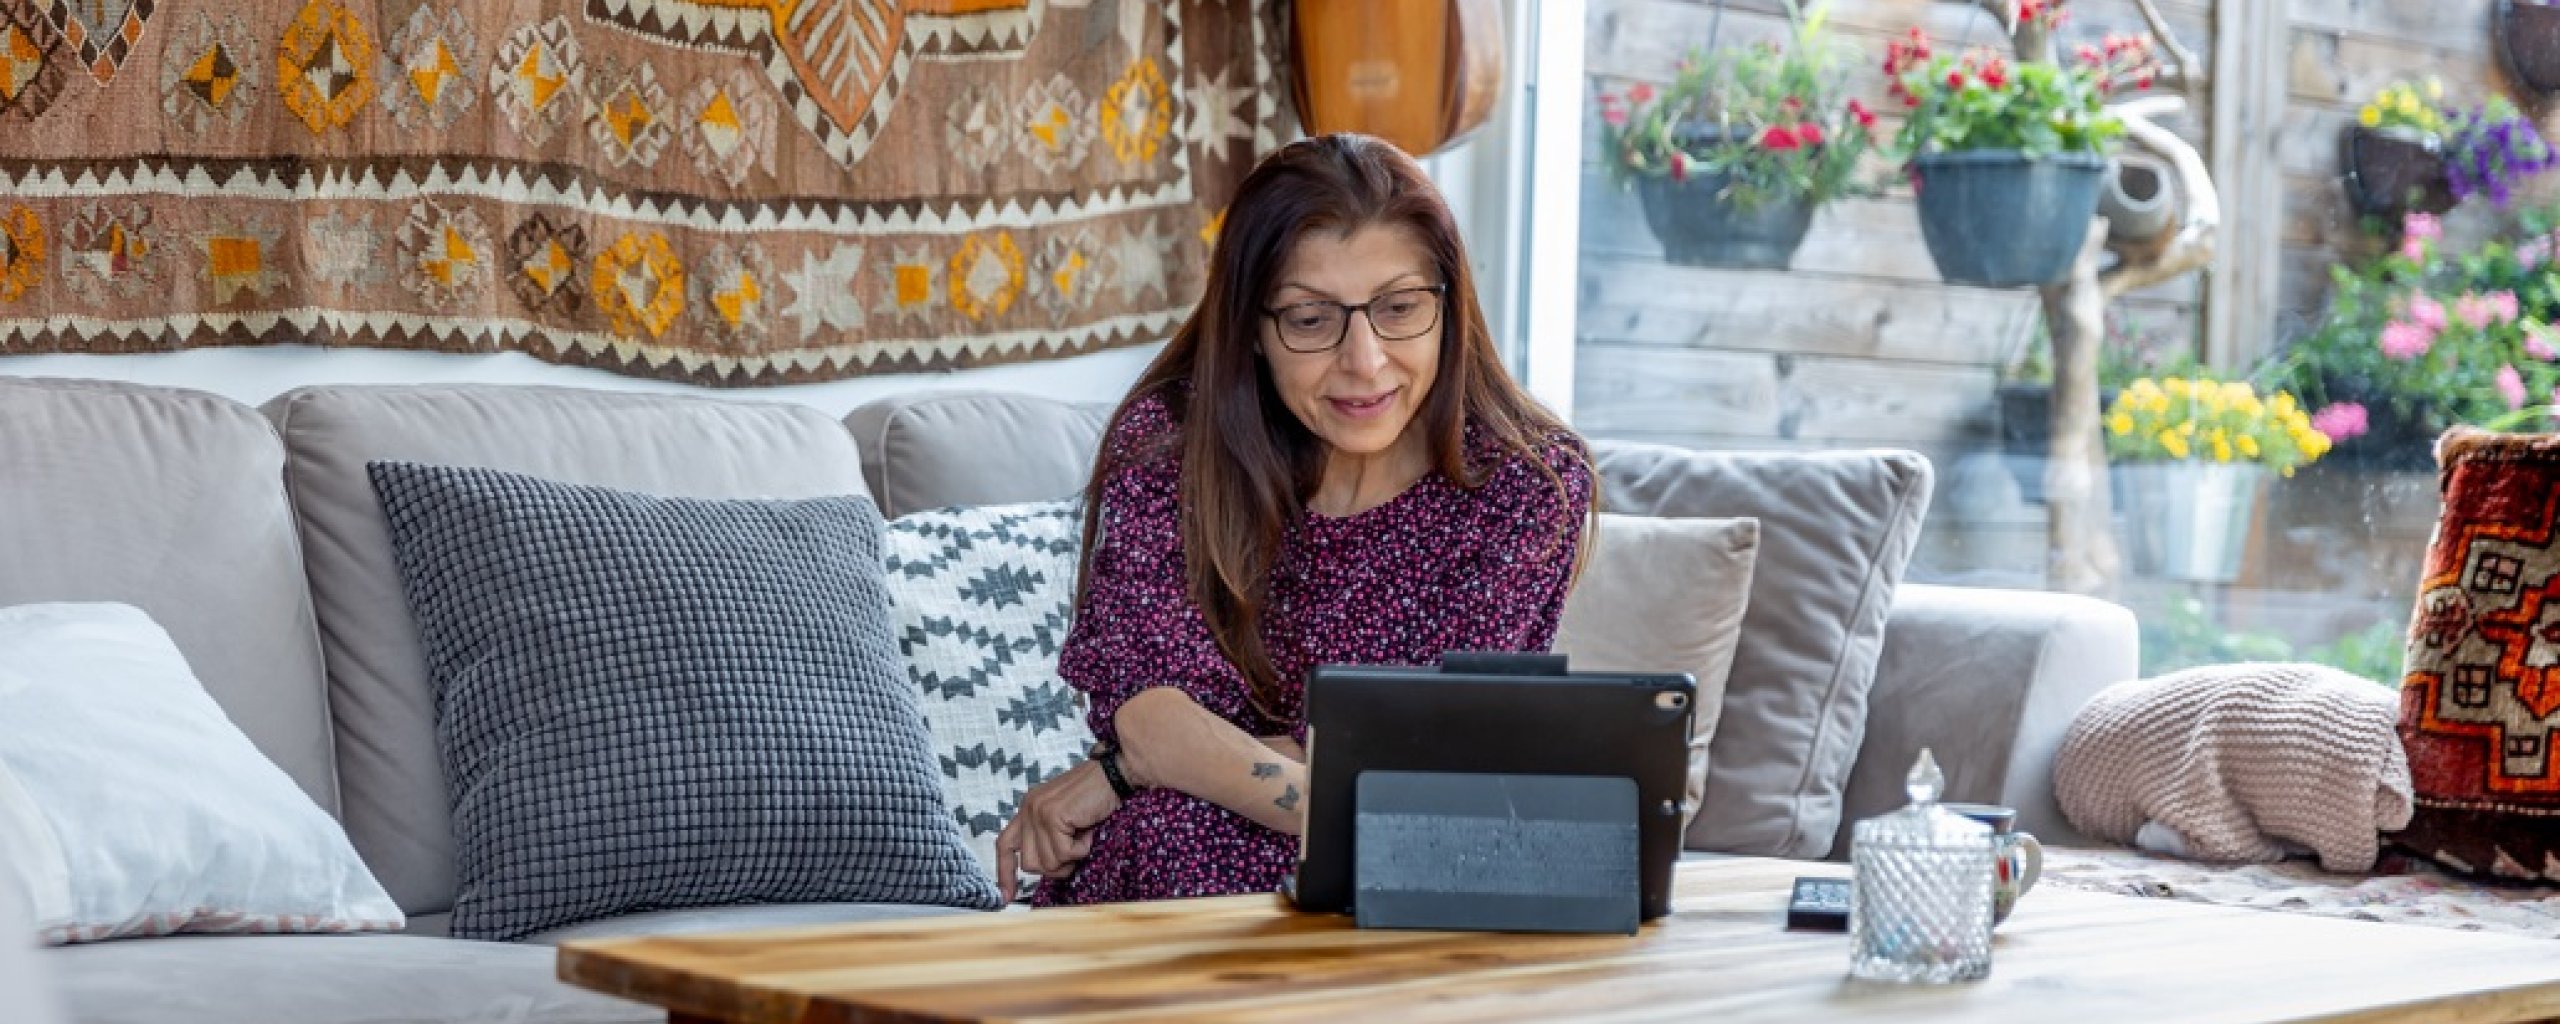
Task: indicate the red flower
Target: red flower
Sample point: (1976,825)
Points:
(1858,112)
(1955,80)
(1640,92)
(1679,166)
(1809,133)
(1780,139)
(2029,9)
(2089,55)
(1615,116)
(1997,75)
(2142,81)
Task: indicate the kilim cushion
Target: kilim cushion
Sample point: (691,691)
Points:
(2480,698)
(647,702)
(982,598)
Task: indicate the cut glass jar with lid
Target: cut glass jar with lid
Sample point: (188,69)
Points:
(1920,902)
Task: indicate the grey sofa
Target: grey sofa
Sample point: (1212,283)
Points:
(253,538)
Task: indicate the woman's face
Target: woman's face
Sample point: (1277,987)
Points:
(1358,395)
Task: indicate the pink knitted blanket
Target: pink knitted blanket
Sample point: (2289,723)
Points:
(2239,763)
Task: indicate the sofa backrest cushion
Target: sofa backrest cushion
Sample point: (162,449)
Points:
(1836,529)
(395,801)
(938,449)
(174,502)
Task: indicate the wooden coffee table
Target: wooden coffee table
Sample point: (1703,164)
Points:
(2069,957)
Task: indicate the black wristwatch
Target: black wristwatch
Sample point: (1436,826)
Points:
(1108,757)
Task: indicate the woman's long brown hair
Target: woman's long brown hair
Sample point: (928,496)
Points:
(1248,464)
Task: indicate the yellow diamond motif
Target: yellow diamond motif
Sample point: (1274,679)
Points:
(720,125)
(431,74)
(549,267)
(734,301)
(20,59)
(627,116)
(538,88)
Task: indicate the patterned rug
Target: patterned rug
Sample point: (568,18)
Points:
(2400,890)
(732,192)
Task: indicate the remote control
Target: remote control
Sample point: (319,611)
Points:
(1819,904)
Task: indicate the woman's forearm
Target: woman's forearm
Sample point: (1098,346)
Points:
(1168,740)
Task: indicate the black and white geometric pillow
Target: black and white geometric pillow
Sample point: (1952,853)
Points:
(981,598)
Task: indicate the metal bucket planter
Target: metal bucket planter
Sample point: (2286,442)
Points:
(2390,171)
(2189,520)
(2529,43)
(1700,226)
(1998,219)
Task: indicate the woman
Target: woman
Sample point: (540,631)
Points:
(1328,463)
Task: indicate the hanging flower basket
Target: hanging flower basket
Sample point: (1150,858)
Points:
(1999,219)
(1701,224)
(2529,43)
(2390,171)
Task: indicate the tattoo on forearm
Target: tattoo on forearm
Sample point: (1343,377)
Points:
(1265,769)
(1288,798)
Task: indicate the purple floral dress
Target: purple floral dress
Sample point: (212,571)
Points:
(1435,569)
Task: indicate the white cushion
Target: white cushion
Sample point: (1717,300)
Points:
(129,805)
(982,597)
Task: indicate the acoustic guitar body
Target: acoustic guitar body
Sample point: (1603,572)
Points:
(1422,74)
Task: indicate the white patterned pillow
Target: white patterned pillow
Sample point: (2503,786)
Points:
(982,597)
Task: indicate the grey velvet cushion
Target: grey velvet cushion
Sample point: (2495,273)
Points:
(939,449)
(1836,530)
(1666,595)
(394,801)
(325,979)
(649,702)
(171,501)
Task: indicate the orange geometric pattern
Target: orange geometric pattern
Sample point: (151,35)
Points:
(2480,699)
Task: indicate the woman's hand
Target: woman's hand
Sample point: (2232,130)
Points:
(1053,830)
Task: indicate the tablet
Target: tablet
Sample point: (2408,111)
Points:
(1502,715)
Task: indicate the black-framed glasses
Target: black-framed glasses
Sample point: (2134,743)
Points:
(1319,325)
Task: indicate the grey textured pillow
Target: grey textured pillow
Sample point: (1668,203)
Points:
(647,702)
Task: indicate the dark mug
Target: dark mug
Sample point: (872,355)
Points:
(2016,857)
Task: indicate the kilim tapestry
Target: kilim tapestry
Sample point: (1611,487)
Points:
(2480,703)
(731,192)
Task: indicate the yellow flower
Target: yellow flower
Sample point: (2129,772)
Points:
(2248,446)
(2175,445)
(2174,385)
(2435,88)
(2120,424)
(2409,104)
(2370,116)
(2221,449)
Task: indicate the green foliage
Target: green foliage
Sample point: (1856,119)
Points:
(1774,122)
(2182,636)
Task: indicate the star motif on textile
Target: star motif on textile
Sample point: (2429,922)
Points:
(827,293)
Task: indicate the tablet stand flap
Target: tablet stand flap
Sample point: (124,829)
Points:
(1457,851)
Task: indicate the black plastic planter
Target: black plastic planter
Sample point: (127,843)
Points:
(1997,219)
(1699,226)
(2529,42)
(2390,171)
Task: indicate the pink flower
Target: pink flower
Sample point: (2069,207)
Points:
(2534,253)
(2341,420)
(2405,342)
(2427,312)
(1615,115)
(2503,303)
(2422,225)
(2474,310)
(2537,343)
(1779,139)
(2413,249)
(1640,92)
(2511,385)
